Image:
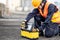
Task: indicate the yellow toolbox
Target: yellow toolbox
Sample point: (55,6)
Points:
(29,34)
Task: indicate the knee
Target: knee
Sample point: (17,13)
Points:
(49,34)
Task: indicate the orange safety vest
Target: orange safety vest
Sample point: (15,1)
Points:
(56,16)
(44,14)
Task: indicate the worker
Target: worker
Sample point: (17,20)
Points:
(43,12)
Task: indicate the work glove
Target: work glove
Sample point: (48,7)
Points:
(23,24)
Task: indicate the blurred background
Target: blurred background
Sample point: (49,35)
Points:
(12,12)
(13,8)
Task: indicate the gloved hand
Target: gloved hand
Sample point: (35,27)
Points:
(23,24)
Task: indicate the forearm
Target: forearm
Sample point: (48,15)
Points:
(51,10)
(32,14)
(29,16)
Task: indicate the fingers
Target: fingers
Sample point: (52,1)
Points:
(35,29)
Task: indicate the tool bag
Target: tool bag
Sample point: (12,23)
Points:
(28,33)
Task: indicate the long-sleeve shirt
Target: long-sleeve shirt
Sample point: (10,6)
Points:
(37,16)
(51,10)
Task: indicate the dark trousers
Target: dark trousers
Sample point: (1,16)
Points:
(50,30)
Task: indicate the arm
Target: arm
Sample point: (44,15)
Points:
(51,10)
(31,15)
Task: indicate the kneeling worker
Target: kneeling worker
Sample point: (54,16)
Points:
(43,12)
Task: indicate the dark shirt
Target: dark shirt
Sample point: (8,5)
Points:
(37,16)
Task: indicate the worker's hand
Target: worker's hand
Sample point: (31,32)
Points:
(23,24)
(35,29)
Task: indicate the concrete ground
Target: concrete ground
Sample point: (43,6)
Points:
(13,33)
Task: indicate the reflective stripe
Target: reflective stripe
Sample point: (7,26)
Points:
(44,14)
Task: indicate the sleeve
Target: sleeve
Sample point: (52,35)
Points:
(51,10)
(32,14)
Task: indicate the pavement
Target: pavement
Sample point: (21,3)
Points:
(10,30)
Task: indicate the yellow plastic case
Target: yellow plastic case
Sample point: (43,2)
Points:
(29,34)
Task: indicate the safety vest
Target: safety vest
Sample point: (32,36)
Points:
(44,14)
(56,16)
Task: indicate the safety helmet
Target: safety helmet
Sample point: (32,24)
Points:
(36,3)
